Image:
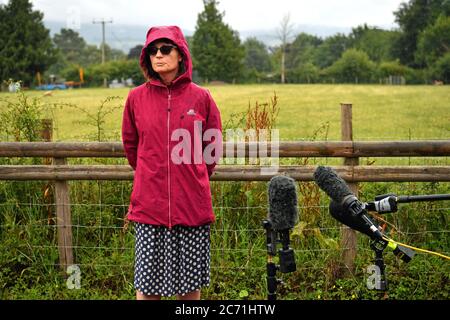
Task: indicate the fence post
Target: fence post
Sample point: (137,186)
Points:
(63,219)
(47,130)
(47,189)
(348,239)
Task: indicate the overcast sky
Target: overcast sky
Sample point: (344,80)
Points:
(239,14)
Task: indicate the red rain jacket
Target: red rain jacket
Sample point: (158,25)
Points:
(165,191)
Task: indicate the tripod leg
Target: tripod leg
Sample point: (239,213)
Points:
(271,280)
(379,262)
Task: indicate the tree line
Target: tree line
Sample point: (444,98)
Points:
(418,51)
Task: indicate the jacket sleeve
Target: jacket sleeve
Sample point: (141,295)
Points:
(214,122)
(130,137)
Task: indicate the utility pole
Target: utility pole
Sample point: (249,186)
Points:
(103,22)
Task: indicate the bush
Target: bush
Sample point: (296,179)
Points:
(353,67)
(392,68)
(94,74)
(417,76)
(251,75)
(305,73)
(441,69)
(72,73)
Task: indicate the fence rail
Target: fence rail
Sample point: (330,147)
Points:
(291,149)
(230,173)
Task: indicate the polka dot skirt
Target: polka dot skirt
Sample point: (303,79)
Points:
(170,262)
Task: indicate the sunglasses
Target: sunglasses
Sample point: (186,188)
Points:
(165,49)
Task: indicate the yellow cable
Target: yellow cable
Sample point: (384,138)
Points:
(417,249)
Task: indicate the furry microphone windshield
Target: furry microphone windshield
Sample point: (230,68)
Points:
(283,211)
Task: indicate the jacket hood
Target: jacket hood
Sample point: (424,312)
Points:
(174,34)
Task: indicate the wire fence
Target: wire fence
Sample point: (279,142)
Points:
(217,228)
(103,249)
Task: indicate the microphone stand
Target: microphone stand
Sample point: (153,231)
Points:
(287,257)
(378,247)
(271,245)
(388,203)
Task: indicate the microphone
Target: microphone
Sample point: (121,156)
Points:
(282,216)
(337,211)
(337,189)
(283,211)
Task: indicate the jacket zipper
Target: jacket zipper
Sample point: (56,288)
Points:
(168,154)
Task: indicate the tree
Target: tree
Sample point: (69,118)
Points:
(353,67)
(70,44)
(70,50)
(302,50)
(112,54)
(25,44)
(135,52)
(257,63)
(284,34)
(434,41)
(74,53)
(304,73)
(441,69)
(377,43)
(256,55)
(216,48)
(331,50)
(414,17)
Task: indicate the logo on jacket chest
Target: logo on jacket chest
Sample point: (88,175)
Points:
(188,113)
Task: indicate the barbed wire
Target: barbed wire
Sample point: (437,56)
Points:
(55,226)
(127,205)
(215,267)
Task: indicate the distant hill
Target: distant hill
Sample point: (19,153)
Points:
(124,37)
(270,39)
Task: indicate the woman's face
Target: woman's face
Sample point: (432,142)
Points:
(163,62)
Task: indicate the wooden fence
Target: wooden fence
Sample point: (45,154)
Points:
(58,171)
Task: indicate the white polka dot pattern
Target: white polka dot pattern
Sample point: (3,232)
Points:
(170,262)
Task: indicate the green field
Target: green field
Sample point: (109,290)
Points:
(379,112)
(104,251)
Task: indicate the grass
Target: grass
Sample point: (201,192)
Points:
(29,256)
(379,112)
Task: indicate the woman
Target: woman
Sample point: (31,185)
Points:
(171,133)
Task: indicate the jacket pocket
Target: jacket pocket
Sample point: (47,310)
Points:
(204,190)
